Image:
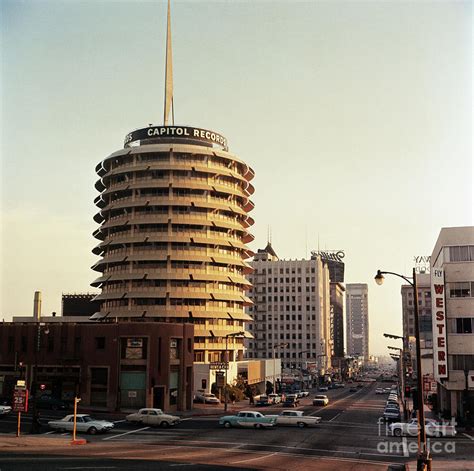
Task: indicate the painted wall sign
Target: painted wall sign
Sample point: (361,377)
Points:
(180,132)
(440,349)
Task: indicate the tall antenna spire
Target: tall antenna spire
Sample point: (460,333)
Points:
(168,72)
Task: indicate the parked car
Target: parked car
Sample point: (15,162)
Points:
(49,402)
(387,390)
(320,400)
(432,428)
(323,389)
(360,386)
(153,417)
(391,415)
(4,410)
(248,419)
(379,391)
(339,385)
(304,393)
(291,401)
(353,389)
(263,400)
(296,417)
(84,423)
(206,398)
(274,398)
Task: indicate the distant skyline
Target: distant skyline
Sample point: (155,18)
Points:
(355,116)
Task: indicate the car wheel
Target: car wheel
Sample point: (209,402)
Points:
(164,424)
(301,424)
(227,425)
(258,425)
(397,432)
(92,431)
(61,430)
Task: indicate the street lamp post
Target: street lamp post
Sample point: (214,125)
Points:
(402,366)
(424,460)
(401,373)
(234,334)
(277,345)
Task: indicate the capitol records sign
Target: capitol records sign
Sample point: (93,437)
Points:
(440,349)
(176,132)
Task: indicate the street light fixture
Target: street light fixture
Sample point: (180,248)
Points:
(233,334)
(277,345)
(423,461)
(401,374)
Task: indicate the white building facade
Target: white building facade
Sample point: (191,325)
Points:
(357,320)
(452,273)
(291,311)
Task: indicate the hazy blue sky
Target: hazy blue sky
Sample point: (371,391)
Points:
(356,117)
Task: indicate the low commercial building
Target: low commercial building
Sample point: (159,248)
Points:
(110,366)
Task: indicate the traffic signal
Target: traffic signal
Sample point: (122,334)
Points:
(42,387)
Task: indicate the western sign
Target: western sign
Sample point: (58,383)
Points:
(166,133)
(440,349)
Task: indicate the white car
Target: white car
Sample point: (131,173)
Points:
(379,391)
(274,398)
(206,398)
(84,423)
(153,417)
(5,410)
(296,417)
(432,428)
(320,400)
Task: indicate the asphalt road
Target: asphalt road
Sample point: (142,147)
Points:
(349,437)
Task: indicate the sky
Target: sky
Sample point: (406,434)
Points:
(355,116)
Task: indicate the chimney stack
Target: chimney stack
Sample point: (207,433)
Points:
(37,306)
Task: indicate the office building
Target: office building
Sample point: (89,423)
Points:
(291,311)
(452,280)
(357,320)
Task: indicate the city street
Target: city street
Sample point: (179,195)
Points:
(349,437)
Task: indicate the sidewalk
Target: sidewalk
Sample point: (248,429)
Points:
(13,443)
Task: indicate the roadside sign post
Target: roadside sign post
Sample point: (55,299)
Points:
(20,402)
(76,401)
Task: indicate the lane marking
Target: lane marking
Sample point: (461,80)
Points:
(49,433)
(468,436)
(335,417)
(118,421)
(126,433)
(254,459)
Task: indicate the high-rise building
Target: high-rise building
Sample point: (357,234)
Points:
(357,320)
(337,320)
(333,260)
(290,309)
(173,215)
(452,281)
